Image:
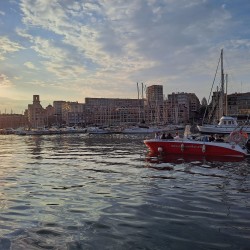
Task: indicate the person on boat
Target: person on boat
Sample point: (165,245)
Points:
(205,138)
(219,138)
(157,135)
(163,136)
(169,136)
(211,138)
(177,137)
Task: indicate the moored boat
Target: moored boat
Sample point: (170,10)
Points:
(140,130)
(218,110)
(98,130)
(143,129)
(226,125)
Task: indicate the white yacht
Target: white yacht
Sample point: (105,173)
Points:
(226,125)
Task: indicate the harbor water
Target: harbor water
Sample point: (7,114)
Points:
(105,192)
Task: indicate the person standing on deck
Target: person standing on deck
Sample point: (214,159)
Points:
(177,137)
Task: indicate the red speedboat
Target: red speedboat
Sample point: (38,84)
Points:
(196,147)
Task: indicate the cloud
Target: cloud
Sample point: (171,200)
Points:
(7,46)
(4,81)
(104,45)
(88,35)
(30,65)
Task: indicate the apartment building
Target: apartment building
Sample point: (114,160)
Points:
(50,115)
(182,107)
(194,106)
(13,121)
(238,104)
(154,94)
(113,111)
(154,105)
(73,113)
(58,109)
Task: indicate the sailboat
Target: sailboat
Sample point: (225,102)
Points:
(226,124)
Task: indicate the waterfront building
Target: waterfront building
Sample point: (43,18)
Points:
(13,121)
(176,109)
(154,105)
(179,108)
(50,110)
(154,94)
(50,115)
(58,107)
(113,111)
(238,104)
(194,106)
(36,113)
(73,113)
(182,107)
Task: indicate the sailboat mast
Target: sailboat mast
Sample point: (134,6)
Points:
(142,97)
(139,109)
(222,86)
(226,93)
(222,73)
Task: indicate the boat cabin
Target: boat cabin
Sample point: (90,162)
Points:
(228,121)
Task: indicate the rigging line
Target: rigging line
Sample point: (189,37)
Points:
(211,90)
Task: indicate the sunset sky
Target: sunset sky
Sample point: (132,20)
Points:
(72,49)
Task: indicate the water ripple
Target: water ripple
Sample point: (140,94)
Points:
(106,192)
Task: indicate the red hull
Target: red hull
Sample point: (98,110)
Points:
(178,158)
(188,147)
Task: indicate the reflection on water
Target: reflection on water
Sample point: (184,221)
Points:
(107,192)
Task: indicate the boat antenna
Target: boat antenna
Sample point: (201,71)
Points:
(211,90)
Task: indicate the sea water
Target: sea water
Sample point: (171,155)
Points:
(105,192)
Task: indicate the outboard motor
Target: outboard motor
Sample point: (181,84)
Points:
(248,145)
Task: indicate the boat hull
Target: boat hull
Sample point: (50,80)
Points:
(179,158)
(138,130)
(221,130)
(189,147)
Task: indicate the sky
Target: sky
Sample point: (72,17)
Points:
(72,49)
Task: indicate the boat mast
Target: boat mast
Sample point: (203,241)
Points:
(221,104)
(226,95)
(139,108)
(142,97)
